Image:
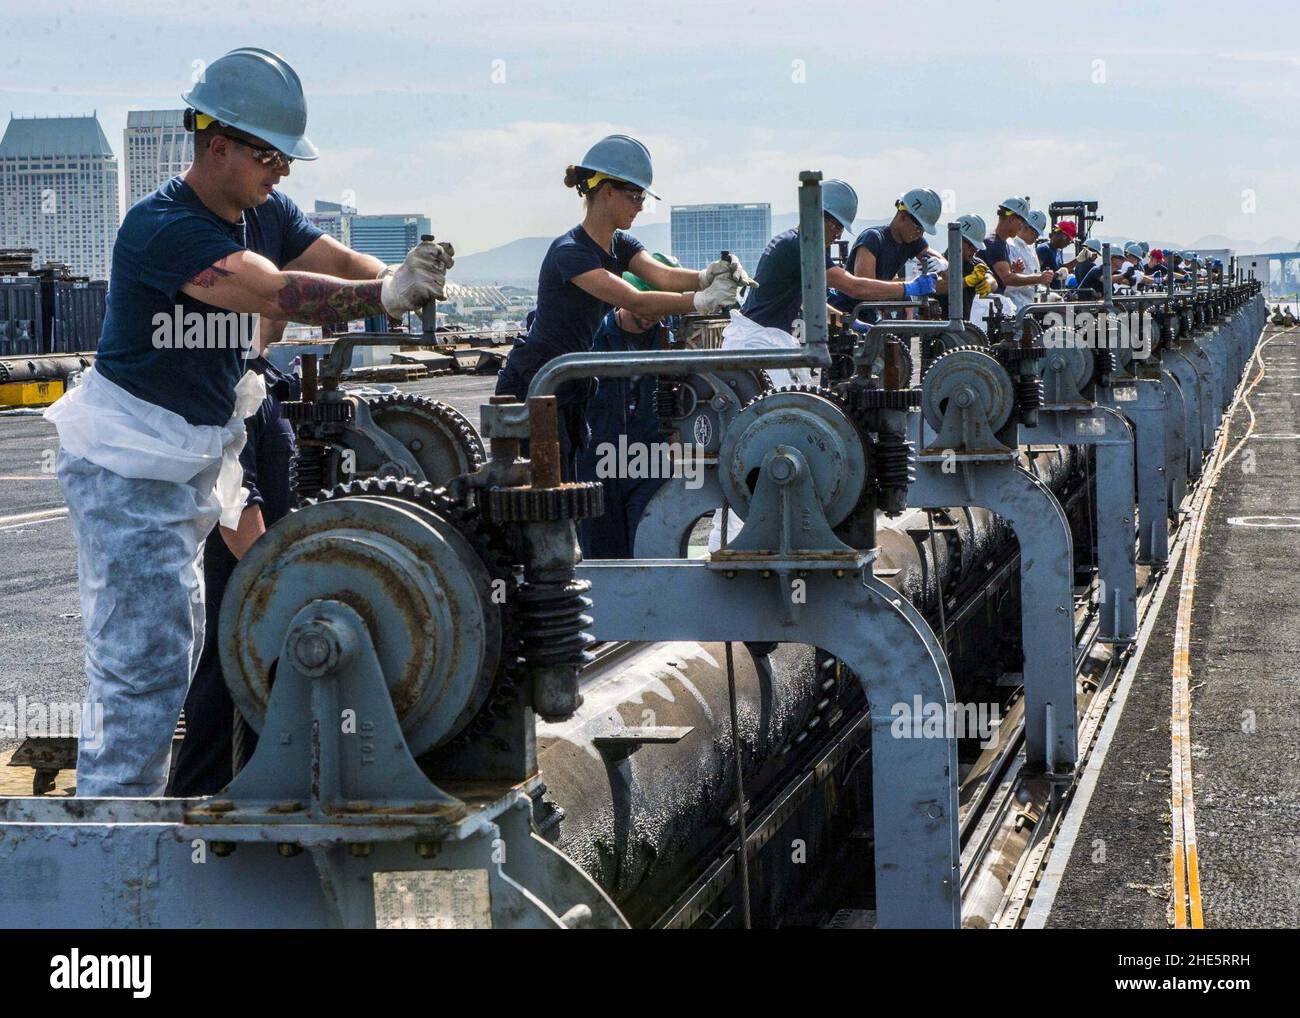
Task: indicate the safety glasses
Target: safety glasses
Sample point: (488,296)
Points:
(636,195)
(267,156)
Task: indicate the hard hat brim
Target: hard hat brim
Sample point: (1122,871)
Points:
(294,147)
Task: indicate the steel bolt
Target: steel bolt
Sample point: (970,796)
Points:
(359,849)
(222,849)
(427,849)
(312,649)
(783,469)
(288,849)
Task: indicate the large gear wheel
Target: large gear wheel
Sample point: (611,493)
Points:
(422,573)
(442,440)
(803,417)
(973,367)
(1077,362)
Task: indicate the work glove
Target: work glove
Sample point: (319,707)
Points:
(921,286)
(720,293)
(979,280)
(422,277)
(729,266)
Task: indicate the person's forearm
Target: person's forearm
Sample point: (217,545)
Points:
(651,303)
(269,330)
(864,287)
(678,280)
(360,266)
(324,300)
(251,527)
(1020,279)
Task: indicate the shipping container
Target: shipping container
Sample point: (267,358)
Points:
(74,314)
(22,328)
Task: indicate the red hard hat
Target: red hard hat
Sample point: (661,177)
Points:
(1067,227)
(1157,255)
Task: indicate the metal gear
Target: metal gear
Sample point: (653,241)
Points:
(442,440)
(574,501)
(1008,354)
(339,411)
(795,416)
(862,399)
(973,366)
(493,552)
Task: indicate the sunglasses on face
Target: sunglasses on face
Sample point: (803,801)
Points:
(267,156)
(636,195)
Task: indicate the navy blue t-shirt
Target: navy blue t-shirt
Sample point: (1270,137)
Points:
(1092,279)
(1051,258)
(567,315)
(779,295)
(891,256)
(166,239)
(623,406)
(995,250)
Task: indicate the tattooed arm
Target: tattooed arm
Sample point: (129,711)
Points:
(328,257)
(247,282)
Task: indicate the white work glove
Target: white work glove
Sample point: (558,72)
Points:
(720,293)
(422,277)
(725,267)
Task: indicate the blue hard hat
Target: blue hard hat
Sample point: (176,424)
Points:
(257,92)
(840,201)
(623,158)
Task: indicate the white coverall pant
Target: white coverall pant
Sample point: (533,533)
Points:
(144,489)
(140,570)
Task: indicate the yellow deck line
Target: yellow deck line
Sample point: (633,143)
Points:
(1186,881)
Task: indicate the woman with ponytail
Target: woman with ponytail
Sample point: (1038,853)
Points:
(581,279)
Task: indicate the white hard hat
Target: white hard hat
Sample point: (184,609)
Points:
(973,229)
(1038,220)
(923,205)
(1017,205)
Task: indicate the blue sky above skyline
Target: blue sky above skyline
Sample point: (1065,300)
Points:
(468,112)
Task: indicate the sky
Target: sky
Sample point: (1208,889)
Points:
(1177,117)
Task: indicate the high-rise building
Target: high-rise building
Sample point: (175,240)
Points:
(155,148)
(388,238)
(58,191)
(334,219)
(701,232)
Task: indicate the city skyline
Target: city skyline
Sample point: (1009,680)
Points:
(1176,136)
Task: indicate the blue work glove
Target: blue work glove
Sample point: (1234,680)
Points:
(921,286)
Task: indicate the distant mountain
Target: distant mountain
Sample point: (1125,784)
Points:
(517,263)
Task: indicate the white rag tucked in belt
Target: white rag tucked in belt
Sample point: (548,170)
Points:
(103,423)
